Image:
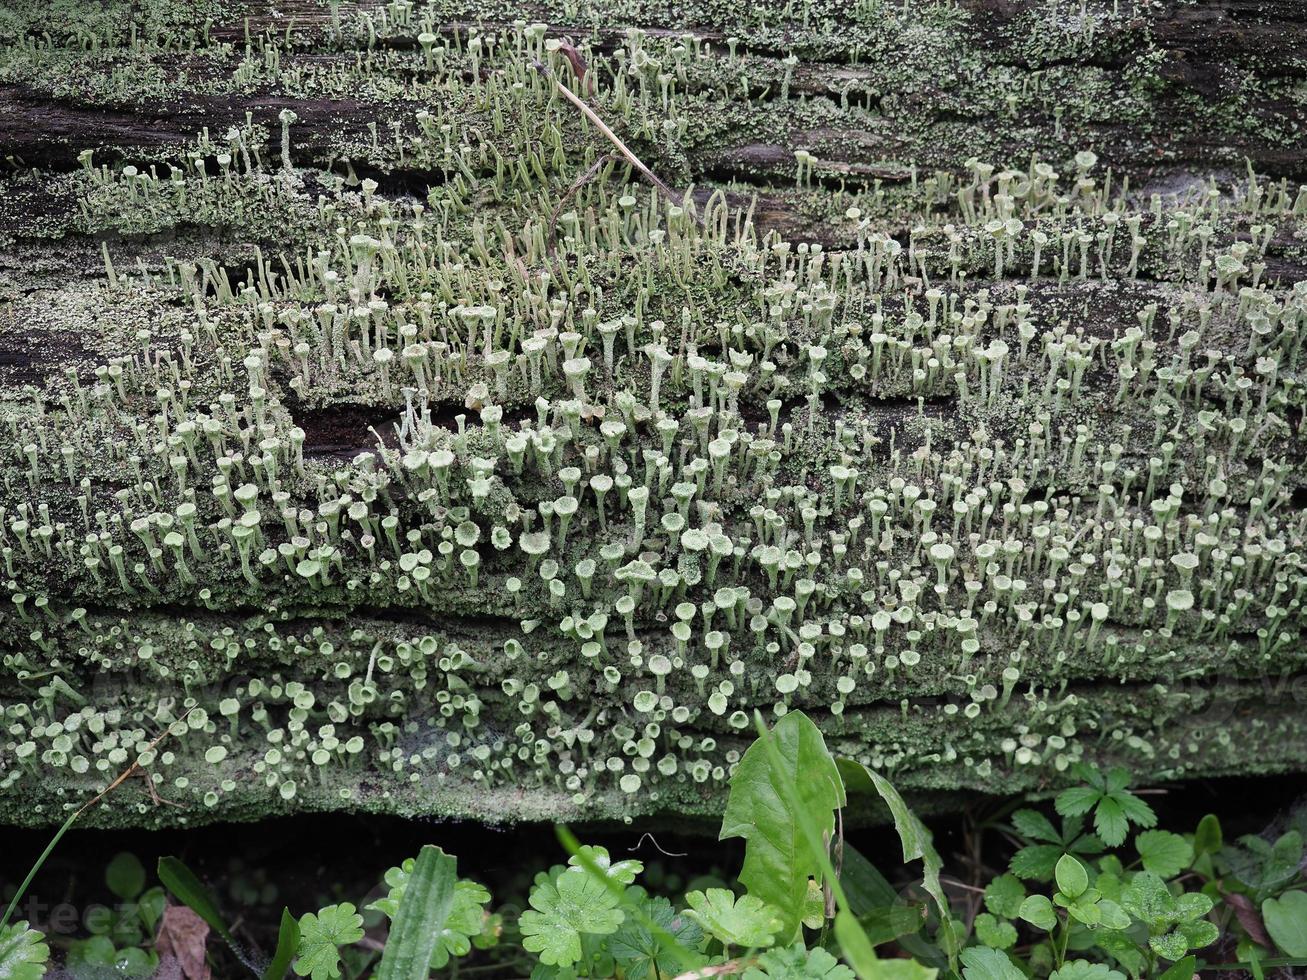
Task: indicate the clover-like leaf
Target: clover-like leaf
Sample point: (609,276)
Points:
(1171,945)
(622,872)
(746,921)
(574,903)
(1164,853)
(321,936)
(797,963)
(640,950)
(23,952)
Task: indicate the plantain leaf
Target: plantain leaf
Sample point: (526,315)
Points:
(420,918)
(778,860)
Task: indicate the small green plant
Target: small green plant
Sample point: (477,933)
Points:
(121,933)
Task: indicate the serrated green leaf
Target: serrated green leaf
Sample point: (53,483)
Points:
(797,963)
(1004,895)
(980,963)
(562,910)
(1035,861)
(746,921)
(1085,970)
(622,872)
(994,932)
(321,936)
(778,860)
(640,950)
(1286,921)
(420,918)
(23,952)
(1110,822)
(1163,852)
(1036,826)
(1076,801)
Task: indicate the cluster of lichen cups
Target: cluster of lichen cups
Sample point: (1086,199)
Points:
(643,480)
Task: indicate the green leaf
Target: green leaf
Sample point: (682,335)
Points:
(1163,852)
(125,875)
(466,913)
(1072,879)
(917,845)
(1207,838)
(623,872)
(423,910)
(1286,921)
(1036,826)
(778,860)
(321,936)
(23,952)
(1004,895)
(150,907)
(980,963)
(188,890)
(1110,822)
(575,902)
(1171,946)
(1038,911)
(797,963)
(995,933)
(1035,861)
(1182,969)
(867,890)
(1076,801)
(1122,948)
(1085,970)
(1147,898)
(1111,915)
(747,921)
(288,941)
(886,924)
(640,950)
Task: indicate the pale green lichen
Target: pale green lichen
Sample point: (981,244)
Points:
(1018,487)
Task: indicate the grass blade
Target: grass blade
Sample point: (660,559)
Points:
(421,916)
(288,940)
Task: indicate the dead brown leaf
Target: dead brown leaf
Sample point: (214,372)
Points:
(1248,917)
(182,936)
